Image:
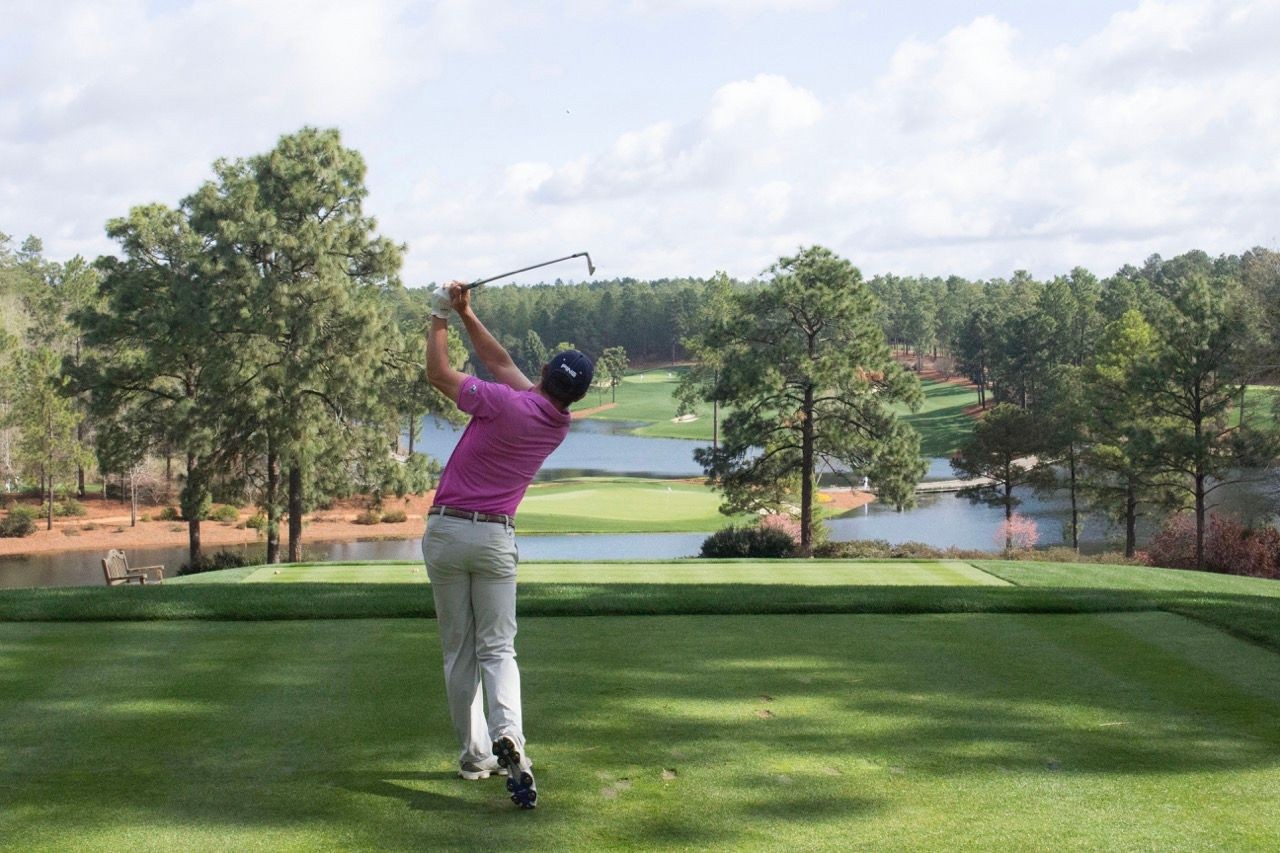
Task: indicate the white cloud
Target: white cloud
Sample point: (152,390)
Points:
(977,151)
(748,123)
(767,100)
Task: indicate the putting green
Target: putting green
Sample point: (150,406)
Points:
(619,505)
(962,731)
(800,573)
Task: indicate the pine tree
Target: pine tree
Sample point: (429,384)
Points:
(999,453)
(810,379)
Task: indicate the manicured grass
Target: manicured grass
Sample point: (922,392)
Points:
(1099,576)
(268,601)
(334,573)
(959,731)
(1259,406)
(792,573)
(619,505)
(941,421)
(646,397)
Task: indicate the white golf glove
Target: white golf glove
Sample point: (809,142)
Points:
(441,304)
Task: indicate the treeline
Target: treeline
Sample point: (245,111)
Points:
(1131,392)
(649,319)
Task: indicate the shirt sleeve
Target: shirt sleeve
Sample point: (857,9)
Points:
(482,399)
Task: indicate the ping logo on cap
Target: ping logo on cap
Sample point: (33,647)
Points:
(569,370)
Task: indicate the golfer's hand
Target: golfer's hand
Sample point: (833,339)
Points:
(441,302)
(460,297)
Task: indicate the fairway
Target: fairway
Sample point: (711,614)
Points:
(801,573)
(958,731)
(645,398)
(942,421)
(619,505)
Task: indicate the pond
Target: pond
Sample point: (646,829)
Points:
(603,448)
(592,448)
(84,568)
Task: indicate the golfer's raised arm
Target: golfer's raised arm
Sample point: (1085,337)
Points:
(440,373)
(491,353)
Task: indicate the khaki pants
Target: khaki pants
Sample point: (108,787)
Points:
(472,567)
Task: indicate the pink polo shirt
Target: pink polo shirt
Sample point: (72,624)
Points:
(510,434)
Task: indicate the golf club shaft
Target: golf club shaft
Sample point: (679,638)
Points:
(526,269)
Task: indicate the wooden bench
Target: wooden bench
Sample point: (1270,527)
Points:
(116,568)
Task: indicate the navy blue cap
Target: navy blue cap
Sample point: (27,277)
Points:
(570,373)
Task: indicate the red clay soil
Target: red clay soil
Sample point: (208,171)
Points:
(845,500)
(106,525)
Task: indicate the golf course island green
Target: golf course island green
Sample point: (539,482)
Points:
(693,704)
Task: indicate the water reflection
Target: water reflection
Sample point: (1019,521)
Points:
(592,445)
(84,568)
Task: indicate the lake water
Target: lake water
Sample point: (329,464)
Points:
(591,448)
(603,448)
(84,568)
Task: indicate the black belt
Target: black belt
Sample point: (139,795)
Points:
(494,518)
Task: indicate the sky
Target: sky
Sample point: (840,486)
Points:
(672,137)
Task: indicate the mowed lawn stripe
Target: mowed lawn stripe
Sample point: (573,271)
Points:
(801,573)
(619,505)
(954,731)
(320,573)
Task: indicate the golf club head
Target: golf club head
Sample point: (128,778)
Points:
(591,268)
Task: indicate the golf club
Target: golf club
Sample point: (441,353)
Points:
(591,269)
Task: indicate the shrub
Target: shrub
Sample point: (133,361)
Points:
(369,516)
(1235,549)
(169,513)
(225,512)
(916,551)
(1174,545)
(394,516)
(857,549)
(760,542)
(257,521)
(68,507)
(21,521)
(1229,547)
(219,560)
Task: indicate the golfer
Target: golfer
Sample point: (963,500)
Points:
(469,544)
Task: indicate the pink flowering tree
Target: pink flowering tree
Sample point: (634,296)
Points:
(787,524)
(1017,531)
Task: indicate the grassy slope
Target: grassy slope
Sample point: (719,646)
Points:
(1259,402)
(645,397)
(1113,731)
(941,421)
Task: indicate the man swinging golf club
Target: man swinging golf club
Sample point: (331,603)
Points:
(469,544)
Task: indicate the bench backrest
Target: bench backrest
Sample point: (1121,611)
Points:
(115,564)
